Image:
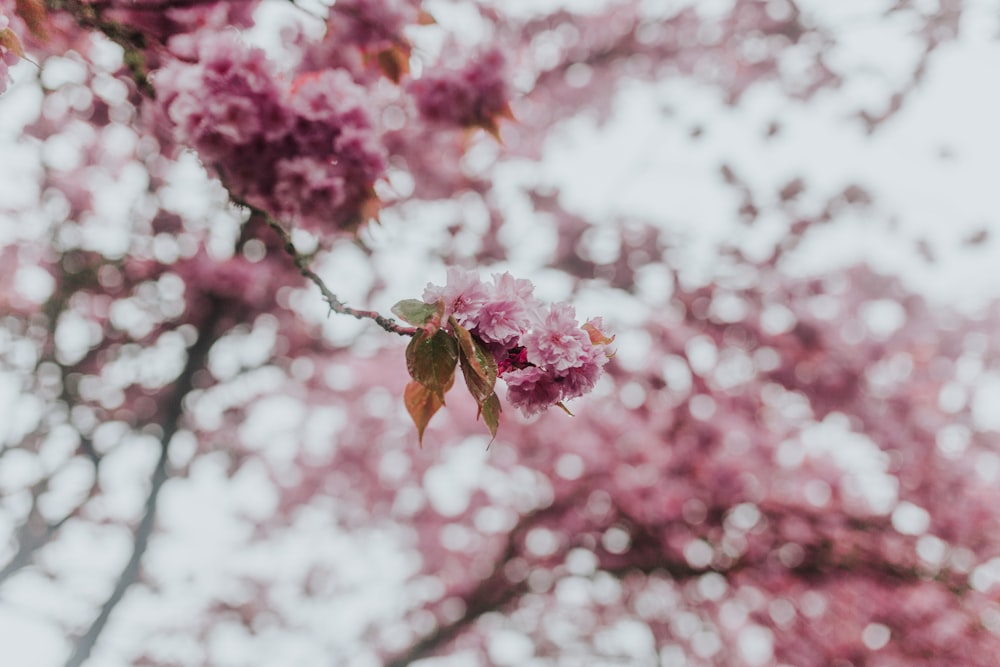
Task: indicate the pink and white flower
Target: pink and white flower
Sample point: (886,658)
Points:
(542,353)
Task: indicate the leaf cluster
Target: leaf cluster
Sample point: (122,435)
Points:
(434,353)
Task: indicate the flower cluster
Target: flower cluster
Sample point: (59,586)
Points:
(542,352)
(10,50)
(476,95)
(308,152)
(372,25)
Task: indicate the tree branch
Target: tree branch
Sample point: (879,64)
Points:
(31,537)
(492,594)
(495,591)
(645,556)
(197,356)
(302,264)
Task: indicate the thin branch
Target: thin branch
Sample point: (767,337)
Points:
(302,264)
(130,574)
(30,544)
(30,537)
(492,594)
(502,593)
(134,44)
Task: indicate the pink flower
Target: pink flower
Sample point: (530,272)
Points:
(309,151)
(330,96)
(532,390)
(463,295)
(307,190)
(544,355)
(476,95)
(371,23)
(357,148)
(558,342)
(507,313)
(227,100)
(579,380)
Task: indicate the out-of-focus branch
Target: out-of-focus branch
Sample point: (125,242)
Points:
(36,531)
(197,357)
(495,591)
(645,556)
(132,41)
(821,559)
(34,534)
(302,264)
(492,594)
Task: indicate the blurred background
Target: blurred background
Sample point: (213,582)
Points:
(784,211)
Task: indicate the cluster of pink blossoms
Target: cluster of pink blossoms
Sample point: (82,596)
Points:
(10,47)
(542,352)
(308,152)
(372,25)
(476,95)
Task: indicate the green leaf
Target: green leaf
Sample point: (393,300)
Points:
(490,411)
(478,365)
(431,359)
(421,403)
(416,312)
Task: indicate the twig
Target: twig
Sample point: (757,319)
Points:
(134,43)
(302,264)
(35,533)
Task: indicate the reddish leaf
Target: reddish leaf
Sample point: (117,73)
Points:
(421,403)
(394,62)
(491,123)
(10,41)
(478,365)
(490,412)
(431,359)
(370,209)
(597,337)
(33,13)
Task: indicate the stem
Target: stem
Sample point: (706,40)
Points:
(302,264)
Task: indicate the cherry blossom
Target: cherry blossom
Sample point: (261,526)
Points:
(543,353)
